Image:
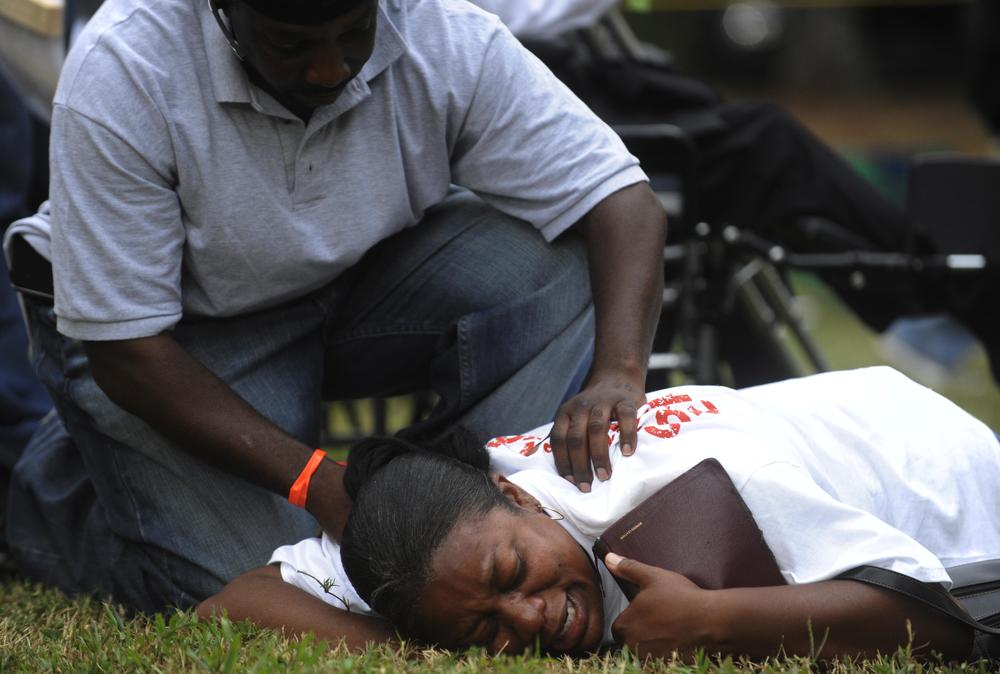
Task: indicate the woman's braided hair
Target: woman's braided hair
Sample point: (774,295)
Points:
(407,498)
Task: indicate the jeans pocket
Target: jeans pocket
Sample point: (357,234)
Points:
(56,359)
(41,319)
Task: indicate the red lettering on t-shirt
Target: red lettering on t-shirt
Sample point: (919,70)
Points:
(709,409)
(525,445)
(612,432)
(668,420)
(504,440)
(671,413)
(668,400)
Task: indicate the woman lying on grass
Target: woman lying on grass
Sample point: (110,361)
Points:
(840,470)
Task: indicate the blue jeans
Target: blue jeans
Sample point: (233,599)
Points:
(469,303)
(937,337)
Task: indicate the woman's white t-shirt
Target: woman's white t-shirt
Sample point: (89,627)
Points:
(840,470)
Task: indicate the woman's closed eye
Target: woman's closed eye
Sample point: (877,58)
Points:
(517,578)
(507,578)
(509,582)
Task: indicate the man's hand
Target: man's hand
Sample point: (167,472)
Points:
(625,235)
(580,432)
(668,614)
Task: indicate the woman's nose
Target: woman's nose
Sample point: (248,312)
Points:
(525,615)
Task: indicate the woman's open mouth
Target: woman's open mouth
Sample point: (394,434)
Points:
(573,626)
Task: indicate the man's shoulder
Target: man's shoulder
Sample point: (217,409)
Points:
(424,9)
(127,45)
(446,40)
(433,22)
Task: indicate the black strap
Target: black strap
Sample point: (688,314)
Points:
(931,594)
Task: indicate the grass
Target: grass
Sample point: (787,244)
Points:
(43,631)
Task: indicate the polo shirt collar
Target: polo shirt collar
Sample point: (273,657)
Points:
(229,80)
(230,83)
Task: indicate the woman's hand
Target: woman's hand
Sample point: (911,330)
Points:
(580,432)
(669,613)
(831,618)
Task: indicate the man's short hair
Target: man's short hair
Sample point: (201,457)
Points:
(303,11)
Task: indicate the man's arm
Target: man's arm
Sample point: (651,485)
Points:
(625,234)
(829,619)
(155,379)
(262,597)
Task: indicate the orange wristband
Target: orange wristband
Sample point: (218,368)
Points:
(300,488)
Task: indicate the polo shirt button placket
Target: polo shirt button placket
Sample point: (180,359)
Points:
(305,183)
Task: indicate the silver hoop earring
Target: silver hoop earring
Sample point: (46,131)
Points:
(549,511)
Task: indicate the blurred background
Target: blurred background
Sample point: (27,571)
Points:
(879,79)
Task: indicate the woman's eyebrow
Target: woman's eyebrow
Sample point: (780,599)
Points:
(488,578)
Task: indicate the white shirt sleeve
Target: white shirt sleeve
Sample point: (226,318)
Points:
(313,565)
(546,18)
(815,537)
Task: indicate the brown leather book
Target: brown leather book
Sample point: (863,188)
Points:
(698,526)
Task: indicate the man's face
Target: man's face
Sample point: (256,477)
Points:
(305,66)
(509,581)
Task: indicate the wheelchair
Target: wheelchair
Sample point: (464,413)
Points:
(722,280)
(718,275)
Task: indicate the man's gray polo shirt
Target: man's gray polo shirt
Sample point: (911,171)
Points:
(180,188)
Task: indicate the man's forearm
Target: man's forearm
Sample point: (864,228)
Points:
(155,379)
(625,234)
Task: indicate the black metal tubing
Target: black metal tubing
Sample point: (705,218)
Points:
(667,149)
(853,259)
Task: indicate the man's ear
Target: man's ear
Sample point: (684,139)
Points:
(514,493)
